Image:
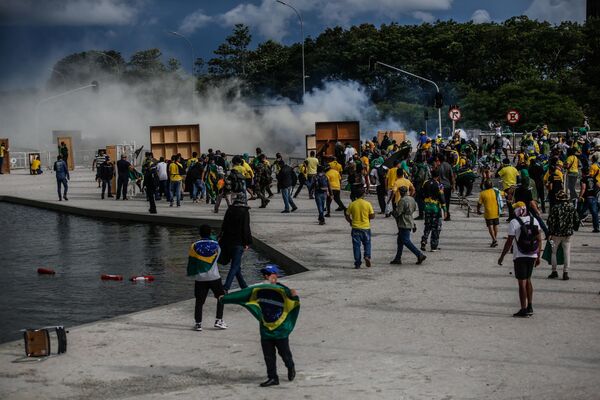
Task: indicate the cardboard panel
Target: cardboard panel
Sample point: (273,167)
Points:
(6,163)
(69,142)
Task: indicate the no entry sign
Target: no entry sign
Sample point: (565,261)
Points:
(454,114)
(513,116)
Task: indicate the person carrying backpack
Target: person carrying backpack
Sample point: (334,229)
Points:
(524,235)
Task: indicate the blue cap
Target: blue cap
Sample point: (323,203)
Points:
(270,269)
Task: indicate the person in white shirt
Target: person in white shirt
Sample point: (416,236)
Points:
(163,177)
(527,250)
(349,152)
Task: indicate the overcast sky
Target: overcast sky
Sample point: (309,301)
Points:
(34,34)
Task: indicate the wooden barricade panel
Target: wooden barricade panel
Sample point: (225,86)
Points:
(166,141)
(69,142)
(6,162)
(111,152)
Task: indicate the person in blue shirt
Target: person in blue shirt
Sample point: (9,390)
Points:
(62,177)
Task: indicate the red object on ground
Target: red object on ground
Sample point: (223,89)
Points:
(107,277)
(142,278)
(46,271)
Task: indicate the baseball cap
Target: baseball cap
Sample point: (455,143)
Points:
(270,269)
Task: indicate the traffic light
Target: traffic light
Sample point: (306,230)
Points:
(439,100)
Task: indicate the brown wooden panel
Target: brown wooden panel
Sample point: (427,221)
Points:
(398,136)
(348,131)
(158,150)
(156,135)
(111,152)
(170,135)
(195,137)
(6,163)
(170,150)
(184,134)
(69,142)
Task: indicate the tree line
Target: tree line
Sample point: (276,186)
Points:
(550,73)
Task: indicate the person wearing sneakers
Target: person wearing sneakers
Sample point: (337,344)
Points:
(433,193)
(524,235)
(276,307)
(202,265)
(492,205)
(562,221)
(359,215)
(403,214)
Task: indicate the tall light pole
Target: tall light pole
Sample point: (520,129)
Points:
(419,77)
(59,73)
(302,33)
(193,59)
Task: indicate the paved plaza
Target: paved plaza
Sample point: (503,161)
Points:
(441,330)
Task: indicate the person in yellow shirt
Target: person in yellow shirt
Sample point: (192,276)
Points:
(359,215)
(402,182)
(335,184)
(508,174)
(554,180)
(312,163)
(176,172)
(36,165)
(489,199)
(335,165)
(572,168)
(391,175)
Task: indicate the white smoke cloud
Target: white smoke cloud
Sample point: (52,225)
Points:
(556,11)
(481,17)
(123,114)
(196,20)
(69,12)
(423,16)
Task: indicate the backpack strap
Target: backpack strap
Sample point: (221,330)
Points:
(520,221)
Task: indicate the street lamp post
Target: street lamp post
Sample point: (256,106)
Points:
(192,53)
(422,78)
(302,33)
(42,101)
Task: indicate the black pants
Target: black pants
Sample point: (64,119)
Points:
(539,186)
(201,289)
(283,347)
(447,196)
(301,183)
(381,193)
(122,187)
(338,200)
(106,183)
(150,197)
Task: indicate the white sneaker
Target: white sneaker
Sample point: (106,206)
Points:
(198,327)
(220,324)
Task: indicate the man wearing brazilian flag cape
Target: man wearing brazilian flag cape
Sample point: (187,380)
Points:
(276,307)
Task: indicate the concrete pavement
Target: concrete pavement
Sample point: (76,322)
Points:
(442,330)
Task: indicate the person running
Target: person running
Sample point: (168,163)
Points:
(359,215)
(492,205)
(262,174)
(62,177)
(286,180)
(335,184)
(524,235)
(433,192)
(276,307)
(235,239)
(562,222)
(404,219)
(321,189)
(202,265)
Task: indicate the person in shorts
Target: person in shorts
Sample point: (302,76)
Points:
(524,260)
(202,264)
(489,199)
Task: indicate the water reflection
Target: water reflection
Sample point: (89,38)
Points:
(80,250)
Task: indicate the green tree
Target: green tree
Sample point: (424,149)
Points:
(232,56)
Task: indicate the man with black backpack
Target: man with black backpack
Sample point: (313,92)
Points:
(524,235)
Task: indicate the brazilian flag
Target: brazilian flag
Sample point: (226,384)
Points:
(272,305)
(202,256)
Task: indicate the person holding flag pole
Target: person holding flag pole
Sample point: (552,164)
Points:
(276,307)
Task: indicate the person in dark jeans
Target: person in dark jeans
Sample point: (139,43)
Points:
(106,172)
(123,167)
(285,182)
(536,172)
(235,238)
(320,188)
(404,219)
(151,183)
(62,177)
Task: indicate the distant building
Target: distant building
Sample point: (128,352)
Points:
(592,9)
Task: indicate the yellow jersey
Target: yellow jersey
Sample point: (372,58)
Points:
(400,182)
(174,172)
(359,210)
(487,198)
(391,178)
(313,163)
(509,176)
(35,165)
(572,164)
(335,180)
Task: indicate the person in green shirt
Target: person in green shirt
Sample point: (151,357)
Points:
(276,307)
(404,219)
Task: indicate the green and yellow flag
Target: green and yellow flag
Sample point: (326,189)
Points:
(272,305)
